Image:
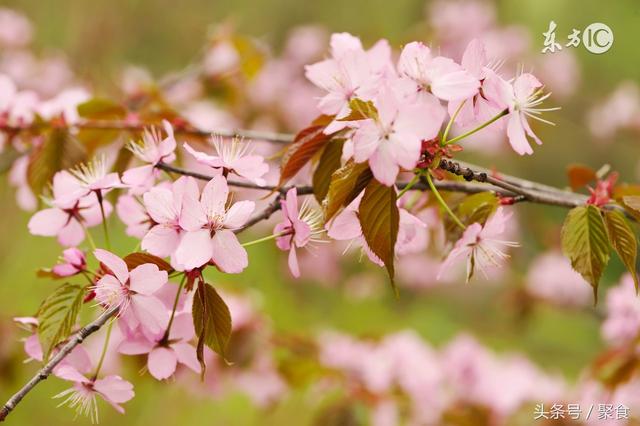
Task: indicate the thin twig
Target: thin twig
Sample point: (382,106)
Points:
(46,370)
(279,138)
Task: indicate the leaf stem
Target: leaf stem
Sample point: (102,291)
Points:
(442,202)
(173,311)
(88,234)
(477,129)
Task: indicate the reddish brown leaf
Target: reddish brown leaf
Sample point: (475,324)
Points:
(580,175)
(305,145)
(346,183)
(329,163)
(134,260)
(380,220)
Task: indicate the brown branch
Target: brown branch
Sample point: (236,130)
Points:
(541,194)
(46,370)
(279,138)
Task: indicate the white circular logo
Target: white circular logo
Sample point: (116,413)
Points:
(597,38)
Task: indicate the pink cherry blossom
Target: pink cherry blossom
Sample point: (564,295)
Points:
(350,73)
(165,354)
(394,139)
(74,262)
(480,107)
(65,105)
(68,217)
(18,178)
(233,157)
(297,229)
(133,293)
(522,98)
(209,226)
(153,149)
(165,207)
(480,245)
(134,215)
(92,177)
(83,395)
(442,76)
(622,322)
(346,227)
(551,278)
(15,29)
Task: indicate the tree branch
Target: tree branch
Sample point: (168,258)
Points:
(46,370)
(273,137)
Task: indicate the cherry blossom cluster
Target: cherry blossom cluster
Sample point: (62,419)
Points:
(185,194)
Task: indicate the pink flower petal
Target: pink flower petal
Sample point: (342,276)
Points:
(48,222)
(238,214)
(161,240)
(194,249)
(187,355)
(147,279)
(227,253)
(162,363)
(114,263)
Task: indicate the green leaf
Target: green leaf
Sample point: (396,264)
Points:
(471,209)
(380,219)
(212,321)
(329,163)
(585,243)
(623,240)
(305,145)
(59,151)
(8,157)
(632,204)
(100,108)
(57,315)
(361,110)
(346,183)
(136,259)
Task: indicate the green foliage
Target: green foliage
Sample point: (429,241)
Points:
(57,315)
(631,203)
(380,220)
(212,321)
(471,209)
(361,110)
(329,163)
(58,151)
(346,183)
(623,240)
(585,243)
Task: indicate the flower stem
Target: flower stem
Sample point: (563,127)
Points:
(447,129)
(267,238)
(477,129)
(104,349)
(413,181)
(88,234)
(443,203)
(104,220)
(173,311)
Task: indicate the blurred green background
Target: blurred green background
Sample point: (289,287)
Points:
(99,36)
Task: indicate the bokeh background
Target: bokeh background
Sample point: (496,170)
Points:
(99,37)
